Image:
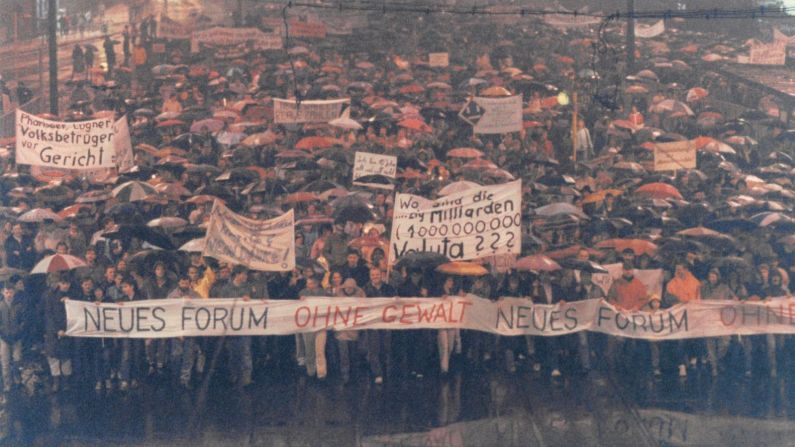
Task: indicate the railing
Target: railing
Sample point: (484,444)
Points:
(8,120)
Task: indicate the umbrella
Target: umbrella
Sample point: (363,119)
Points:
(93,197)
(133,191)
(301,196)
(555,209)
(58,263)
(415,124)
(462,268)
(73,210)
(465,152)
(673,106)
(638,246)
(126,232)
(423,260)
(209,124)
(457,187)
(201,199)
(696,94)
(769,218)
(39,215)
(586,266)
(310,143)
(659,191)
(479,165)
(731,224)
(345,123)
(167,222)
(259,139)
(145,260)
(320,186)
(354,213)
(537,263)
(193,246)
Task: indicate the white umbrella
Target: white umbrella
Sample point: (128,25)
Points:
(58,263)
(193,246)
(39,215)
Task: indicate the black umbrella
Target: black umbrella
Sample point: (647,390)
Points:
(727,225)
(586,266)
(127,232)
(187,140)
(675,246)
(145,260)
(320,186)
(122,210)
(354,213)
(423,260)
(788,135)
(375,179)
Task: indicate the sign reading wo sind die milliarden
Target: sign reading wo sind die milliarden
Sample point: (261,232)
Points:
(471,224)
(58,144)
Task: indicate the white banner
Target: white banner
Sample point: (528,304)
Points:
(266,245)
(675,155)
(494,115)
(171,30)
(219,37)
(475,223)
(57,144)
(287,111)
(649,31)
(366,163)
(122,145)
(165,318)
(438,59)
(766,54)
(564,21)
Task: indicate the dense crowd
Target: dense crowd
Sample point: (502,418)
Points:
(202,131)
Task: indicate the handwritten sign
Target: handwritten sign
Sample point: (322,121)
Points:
(72,145)
(266,245)
(288,111)
(475,223)
(675,155)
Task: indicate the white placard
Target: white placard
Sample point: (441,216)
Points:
(494,115)
(265,245)
(475,223)
(438,59)
(78,145)
(675,155)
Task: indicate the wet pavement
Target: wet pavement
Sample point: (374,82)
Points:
(471,407)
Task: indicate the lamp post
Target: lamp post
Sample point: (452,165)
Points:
(52,40)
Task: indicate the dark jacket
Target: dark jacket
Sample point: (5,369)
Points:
(20,254)
(54,321)
(384,291)
(12,320)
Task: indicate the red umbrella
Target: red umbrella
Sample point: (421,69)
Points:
(58,263)
(480,164)
(301,196)
(415,124)
(537,263)
(309,143)
(171,123)
(659,191)
(464,152)
(39,215)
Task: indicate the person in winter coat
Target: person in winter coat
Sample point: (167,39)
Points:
(58,347)
(12,328)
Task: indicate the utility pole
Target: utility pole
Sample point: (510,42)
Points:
(630,36)
(52,40)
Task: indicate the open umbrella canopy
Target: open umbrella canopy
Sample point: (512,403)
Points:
(537,263)
(462,268)
(57,263)
(457,187)
(144,233)
(167,222)
(422,260)
(659,191)
(39,215)
(555,209)
(310,143)
(585,266)
(193,246)
(638,246)
(464,152)
(133,191)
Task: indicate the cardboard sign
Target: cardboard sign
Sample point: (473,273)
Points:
(265,245)
(288,111)
(439,59)
(475,223)
(675,155)
(493,115)
(366,163)
(81,145)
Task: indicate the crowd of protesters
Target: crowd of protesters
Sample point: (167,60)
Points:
(733,208)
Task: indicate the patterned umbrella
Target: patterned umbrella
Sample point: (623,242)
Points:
(58,263)
(133,191)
